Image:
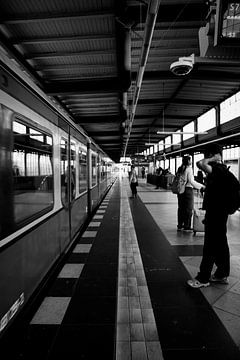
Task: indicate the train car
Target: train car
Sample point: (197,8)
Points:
(52,178)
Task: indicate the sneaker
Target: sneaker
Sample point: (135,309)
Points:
(197,284)
(215,279)
(188,230)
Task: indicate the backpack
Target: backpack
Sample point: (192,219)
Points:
(178,184)
(232,192)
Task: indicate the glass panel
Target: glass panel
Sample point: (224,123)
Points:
(82,171)
(207,121)
(188,128)
(103,170)
(176,139)
(64,170)
(94,170)
(36,135)
(19,128)
(32,173)
(230,108)
(160,145)
(172,166)
(230,19)
(49,140)
(197,157)
(168,141)
(178,162)
(73,171)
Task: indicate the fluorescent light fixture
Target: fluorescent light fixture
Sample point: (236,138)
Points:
(140,76)
(181,132)
(152,144)
(170,144)
(134,108)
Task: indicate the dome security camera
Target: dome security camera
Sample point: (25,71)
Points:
(183,66)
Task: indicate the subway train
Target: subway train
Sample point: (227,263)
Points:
(52,178)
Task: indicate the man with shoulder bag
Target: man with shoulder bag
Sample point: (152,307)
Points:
(215,202)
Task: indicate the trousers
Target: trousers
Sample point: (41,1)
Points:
(215,248)
(185,208)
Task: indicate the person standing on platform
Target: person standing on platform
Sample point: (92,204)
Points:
(159,172)
(133,179)
(186,199)
(215,248)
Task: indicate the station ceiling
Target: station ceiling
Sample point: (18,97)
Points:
(87,56)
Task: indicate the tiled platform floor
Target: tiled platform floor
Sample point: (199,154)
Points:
(122,292)
(224,299)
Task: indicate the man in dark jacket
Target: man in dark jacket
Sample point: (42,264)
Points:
(215,249)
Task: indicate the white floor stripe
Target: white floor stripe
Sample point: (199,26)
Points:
(72,271)
(137,336)
(82,248)
(89,234)
(94,224)
(97,217)
(51,310)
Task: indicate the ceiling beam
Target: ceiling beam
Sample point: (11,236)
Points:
(97,120)
(103,133)
(51,16)
(84,87)
(61,54)
(108,141)
(12,52)
(55,39)
(177,117)
(203,75)
(135,126)
(176,101)
(77,67)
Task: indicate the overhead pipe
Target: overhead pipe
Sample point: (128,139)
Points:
(123,60)
(147,39)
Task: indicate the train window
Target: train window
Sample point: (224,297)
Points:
(94,170)
(49,140)
(19,128)
(32,173)
(64,170)
(34,134)
(72,174)
(103,170)
(82,156)
(68,173)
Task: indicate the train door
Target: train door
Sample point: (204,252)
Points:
(73,183)
(74,214)
(65,225)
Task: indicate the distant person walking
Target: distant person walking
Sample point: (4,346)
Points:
(133,179)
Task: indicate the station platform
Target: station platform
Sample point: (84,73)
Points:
(121,292)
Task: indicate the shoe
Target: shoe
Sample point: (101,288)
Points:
(188,230)
(223,280)
(197,284)
(179,228)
